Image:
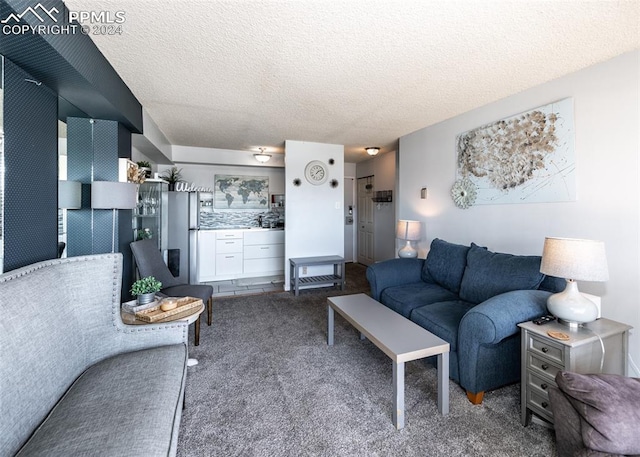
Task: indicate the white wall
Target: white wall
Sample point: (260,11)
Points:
(203,175)
(607,122)
(313,214)
(383,168)
(190,154)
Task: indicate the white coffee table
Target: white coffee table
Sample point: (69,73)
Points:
(399,338)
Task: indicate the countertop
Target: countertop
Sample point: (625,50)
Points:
(253,229)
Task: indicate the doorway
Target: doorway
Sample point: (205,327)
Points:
(349,215)
(365,221)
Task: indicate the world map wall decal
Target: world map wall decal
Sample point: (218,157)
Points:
(529,157)
(241,192)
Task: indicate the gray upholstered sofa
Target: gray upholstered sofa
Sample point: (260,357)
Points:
(472,298)
(74,380)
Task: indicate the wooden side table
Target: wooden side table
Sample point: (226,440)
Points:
(191,315)
(601,346)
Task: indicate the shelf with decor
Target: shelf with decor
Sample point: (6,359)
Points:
(150,219)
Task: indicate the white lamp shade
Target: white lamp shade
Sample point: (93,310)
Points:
(69,194)
(408,230)
(581,260)
(113,195)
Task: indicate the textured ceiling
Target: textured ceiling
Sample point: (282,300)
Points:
(244,74)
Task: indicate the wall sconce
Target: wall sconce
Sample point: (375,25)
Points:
(262,157)
(372,150)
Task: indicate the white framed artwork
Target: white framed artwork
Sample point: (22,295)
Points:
(526,158)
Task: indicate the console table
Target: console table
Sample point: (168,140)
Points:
(296,263)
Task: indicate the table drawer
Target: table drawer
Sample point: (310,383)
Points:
(539,383)
(539,402)
(228,246)
(547,349)
(542,367)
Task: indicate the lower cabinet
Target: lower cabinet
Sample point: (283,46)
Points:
(231,254)
(264,253)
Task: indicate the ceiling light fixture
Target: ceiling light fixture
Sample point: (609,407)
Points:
(262,157)
(372,151)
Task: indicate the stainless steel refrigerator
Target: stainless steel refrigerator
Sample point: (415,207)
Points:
(185,210)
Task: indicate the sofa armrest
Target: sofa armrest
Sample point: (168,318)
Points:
(393,272)
(498,317)
(488,347)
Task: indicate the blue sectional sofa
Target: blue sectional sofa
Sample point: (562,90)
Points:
(472,298)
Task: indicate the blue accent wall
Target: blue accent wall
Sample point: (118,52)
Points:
(31,170)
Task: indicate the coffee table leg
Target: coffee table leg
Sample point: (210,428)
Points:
(443,383)
(329,325)
(398,394)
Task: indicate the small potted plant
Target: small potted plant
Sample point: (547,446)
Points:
(145,166)
(173,175)
(145,289)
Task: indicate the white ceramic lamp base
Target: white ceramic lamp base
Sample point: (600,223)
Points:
(407,251)
(571,307)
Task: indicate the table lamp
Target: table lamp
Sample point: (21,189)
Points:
(574,260)
(113,195)
(69,194)
(408,231)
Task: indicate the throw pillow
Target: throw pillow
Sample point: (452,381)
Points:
(488,274)
(445,264)
(609,409)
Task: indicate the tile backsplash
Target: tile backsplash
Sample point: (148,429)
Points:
(222,219)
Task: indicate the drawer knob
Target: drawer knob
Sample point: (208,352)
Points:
(545,350)
(544,386)
(545,367)
(544,404)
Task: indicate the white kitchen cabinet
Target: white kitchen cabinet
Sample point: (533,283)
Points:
(232,254)
(263,253)
(206,256)
(229,248)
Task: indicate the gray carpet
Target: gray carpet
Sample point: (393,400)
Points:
(267,384)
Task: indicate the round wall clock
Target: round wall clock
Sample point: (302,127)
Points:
(316,172)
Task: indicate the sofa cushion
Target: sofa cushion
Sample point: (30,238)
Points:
(442,319)
(609,410)
(124,405)
(445,264)
(403,299)
(488,274)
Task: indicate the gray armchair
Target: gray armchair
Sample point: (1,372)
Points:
(150,263)
(596,414)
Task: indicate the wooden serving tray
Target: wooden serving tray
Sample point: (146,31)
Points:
(155,314)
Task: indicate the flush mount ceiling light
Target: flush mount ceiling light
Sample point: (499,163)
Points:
(262,157)
(372,151)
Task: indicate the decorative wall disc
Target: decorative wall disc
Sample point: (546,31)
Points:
(333,183)
(297,182)
(464,193)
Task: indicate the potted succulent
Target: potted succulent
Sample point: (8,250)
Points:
(145,289)
(145,166)
(173,175)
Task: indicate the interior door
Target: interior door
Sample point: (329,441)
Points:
(365,220)
(349,213)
